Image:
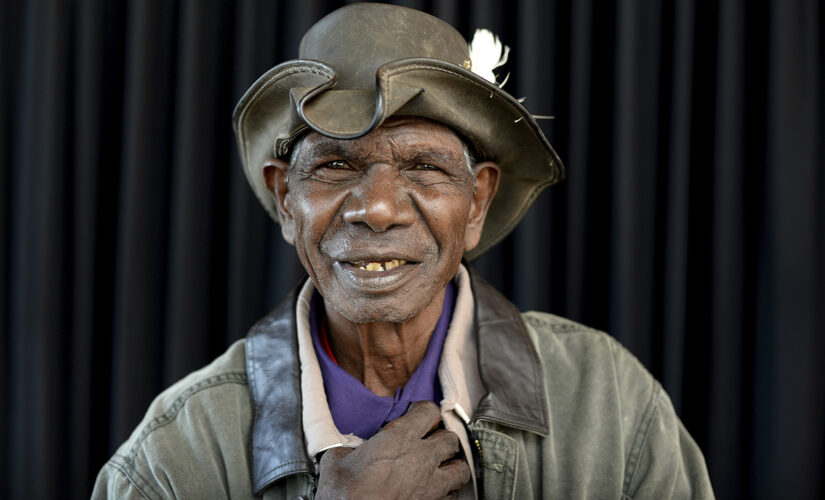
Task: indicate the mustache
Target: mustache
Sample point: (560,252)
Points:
(359,245)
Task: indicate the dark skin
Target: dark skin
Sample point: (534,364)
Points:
(408,458)
(380,223)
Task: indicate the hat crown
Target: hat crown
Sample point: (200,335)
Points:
(358,39)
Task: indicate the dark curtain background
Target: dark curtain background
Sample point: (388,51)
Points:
(690,225)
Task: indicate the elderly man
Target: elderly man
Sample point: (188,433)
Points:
(388,156)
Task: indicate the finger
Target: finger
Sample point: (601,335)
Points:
(333,455)
(443,444)
(452,475)
(421,418)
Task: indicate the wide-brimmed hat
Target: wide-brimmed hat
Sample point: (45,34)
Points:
(365,62)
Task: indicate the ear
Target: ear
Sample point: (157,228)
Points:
(487,177)
(275,177)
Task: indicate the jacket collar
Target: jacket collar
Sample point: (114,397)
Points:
(506,354)
(274,373)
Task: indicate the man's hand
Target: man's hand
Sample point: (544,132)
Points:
(405,459)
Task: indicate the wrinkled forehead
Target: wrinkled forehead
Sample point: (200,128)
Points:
(396,136)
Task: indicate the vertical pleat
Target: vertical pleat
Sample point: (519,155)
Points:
(41,259)
(791,343)
(726,438)
(10,55)
(635,155)
(590,170)
(197,232)
(578,161)
(256,50)
(533,278)
(675,206)
(143,221)
(87,126)
(700,217)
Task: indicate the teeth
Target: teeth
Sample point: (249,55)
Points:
(381,266)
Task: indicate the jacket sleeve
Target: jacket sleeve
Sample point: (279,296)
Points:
(664,461)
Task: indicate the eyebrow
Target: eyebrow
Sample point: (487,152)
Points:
(325,148)
(337,148)
(436,155)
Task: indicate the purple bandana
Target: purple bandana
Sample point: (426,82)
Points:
(357,410)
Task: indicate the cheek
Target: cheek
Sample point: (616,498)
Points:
(315,216)
(313,212)
(309,223)
(448,217)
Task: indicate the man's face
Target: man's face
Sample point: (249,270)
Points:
(381,222)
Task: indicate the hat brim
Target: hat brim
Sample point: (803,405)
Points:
(299,94)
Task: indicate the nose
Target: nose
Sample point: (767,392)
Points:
(380,200)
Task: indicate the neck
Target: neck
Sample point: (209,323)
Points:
(383,356)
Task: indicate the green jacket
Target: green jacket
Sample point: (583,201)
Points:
(569,413)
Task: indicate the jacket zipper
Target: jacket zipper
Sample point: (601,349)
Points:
(477,451)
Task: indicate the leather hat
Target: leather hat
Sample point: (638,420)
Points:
(365,62)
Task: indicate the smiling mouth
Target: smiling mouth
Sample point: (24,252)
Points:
(376,266)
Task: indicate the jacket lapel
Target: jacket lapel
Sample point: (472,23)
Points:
(274,373)
(508,362)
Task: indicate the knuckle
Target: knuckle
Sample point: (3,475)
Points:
(431,410)
(426,407)
(447,438)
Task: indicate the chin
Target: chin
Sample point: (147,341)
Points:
(376,314)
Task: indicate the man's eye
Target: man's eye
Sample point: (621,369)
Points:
(425,166)
(337,165)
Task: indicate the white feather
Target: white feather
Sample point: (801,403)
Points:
(486,54)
